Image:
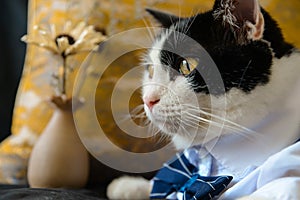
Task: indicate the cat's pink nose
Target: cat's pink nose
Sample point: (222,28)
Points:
(150,101)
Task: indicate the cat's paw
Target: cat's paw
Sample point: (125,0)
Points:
(127,187)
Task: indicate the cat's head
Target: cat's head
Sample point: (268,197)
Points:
(187,93)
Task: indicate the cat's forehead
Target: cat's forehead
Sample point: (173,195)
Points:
(184,37)
(166,49)
(176,43)
(157,47)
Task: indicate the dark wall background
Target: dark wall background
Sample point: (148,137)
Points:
(13,21)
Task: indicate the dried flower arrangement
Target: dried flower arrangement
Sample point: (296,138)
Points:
(73,39)
(61,131)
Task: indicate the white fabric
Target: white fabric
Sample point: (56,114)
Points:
(283,189)
(277,178)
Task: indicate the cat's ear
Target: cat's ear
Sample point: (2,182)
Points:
(242,16)
(165,19)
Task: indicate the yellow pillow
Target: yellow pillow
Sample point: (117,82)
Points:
(32,111)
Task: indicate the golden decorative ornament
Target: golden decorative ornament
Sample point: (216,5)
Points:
(71,40)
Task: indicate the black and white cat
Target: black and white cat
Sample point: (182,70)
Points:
(247,122)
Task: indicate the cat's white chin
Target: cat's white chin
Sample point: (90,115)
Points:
(165,126)
(183,136)
(183,141)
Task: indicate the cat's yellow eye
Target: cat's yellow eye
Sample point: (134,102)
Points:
(188,65)
(150,69)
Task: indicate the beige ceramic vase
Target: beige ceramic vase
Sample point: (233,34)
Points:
(59,159)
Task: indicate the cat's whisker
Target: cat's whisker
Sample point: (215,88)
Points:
(144,122)
(189,24)
(247,136)
(137,109)
(179,125)
(210,114)
(193,124)
(213,123)
(162,137)
(197,121)
(146,63)
(123,118)
(184,129)
(139,113)
(168,58)
(179,10)
(196,124)
(221,125)
(244,73)
(227,121)
(150,33)
(210,121)
(139,116)
(235,130)
(152,130)
(196,108)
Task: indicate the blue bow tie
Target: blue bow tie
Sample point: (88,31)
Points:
(180,176)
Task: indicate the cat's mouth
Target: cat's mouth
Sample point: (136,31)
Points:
(168,121)
(168,126)
(177,122)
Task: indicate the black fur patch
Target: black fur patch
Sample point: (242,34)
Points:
(242,66)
